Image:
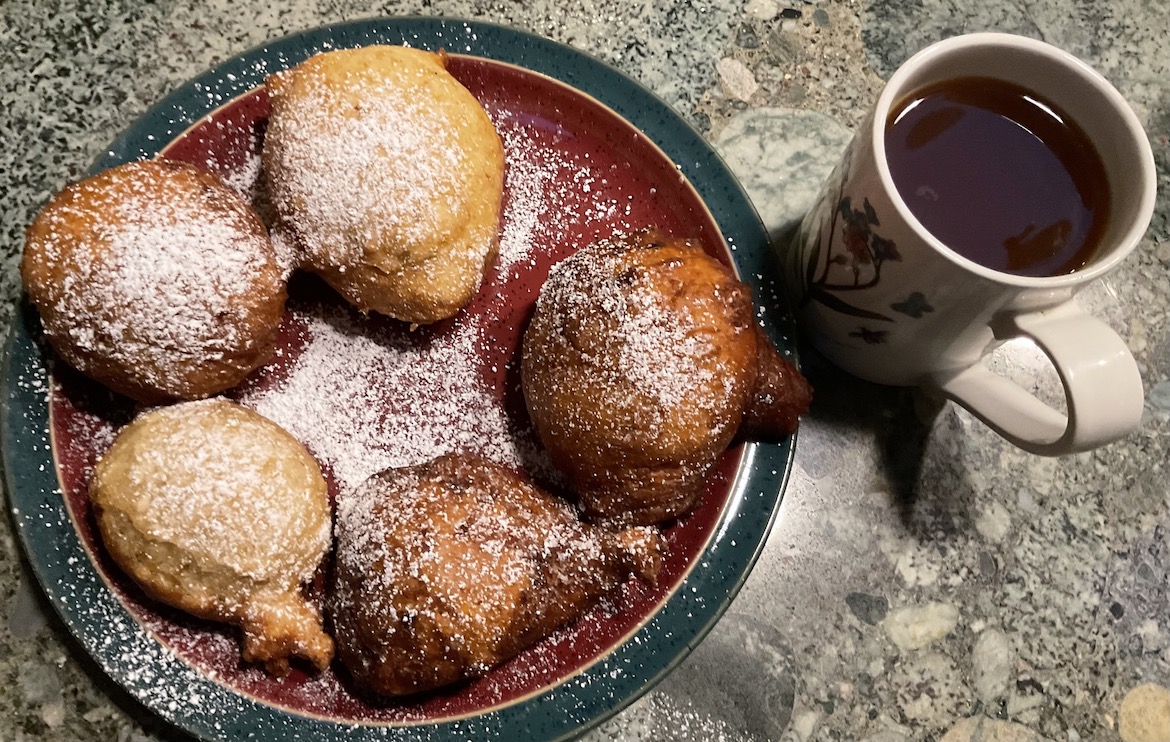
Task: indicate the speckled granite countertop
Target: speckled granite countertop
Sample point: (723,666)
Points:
(924,581)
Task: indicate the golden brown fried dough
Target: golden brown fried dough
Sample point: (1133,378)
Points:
(219,512)
(388,175)
(639,365)
(156,279)
(446,569)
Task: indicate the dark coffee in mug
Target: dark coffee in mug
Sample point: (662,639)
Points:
(999,175)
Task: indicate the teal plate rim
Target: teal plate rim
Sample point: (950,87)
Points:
(177,692)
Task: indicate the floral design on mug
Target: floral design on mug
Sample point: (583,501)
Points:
(858,266)
(914,305)
(871,337)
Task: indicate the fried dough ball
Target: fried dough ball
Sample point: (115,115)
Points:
(640,364)
(156,279)
(217,511)
(448,568)
(388,175)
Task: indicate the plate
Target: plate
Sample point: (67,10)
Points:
(589,153)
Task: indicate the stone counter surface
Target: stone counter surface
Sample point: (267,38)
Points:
(925,580)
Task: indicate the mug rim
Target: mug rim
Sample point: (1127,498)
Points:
(1124,244)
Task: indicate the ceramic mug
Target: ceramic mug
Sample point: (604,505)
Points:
(914,312)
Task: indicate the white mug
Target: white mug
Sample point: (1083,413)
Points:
(929,316)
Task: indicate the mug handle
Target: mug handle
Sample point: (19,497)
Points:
(1102,385)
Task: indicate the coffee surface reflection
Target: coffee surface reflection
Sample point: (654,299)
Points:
(999,175)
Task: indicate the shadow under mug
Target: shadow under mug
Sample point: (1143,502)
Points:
(917,313)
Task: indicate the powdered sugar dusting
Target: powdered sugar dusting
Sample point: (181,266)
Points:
(651,346)
(364,159)
(158,283)
(148,255)
(527,180)
(561,197)
(364,401)
(544,184)
(244,178)
(548,190)
(223,486)
(466,546)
